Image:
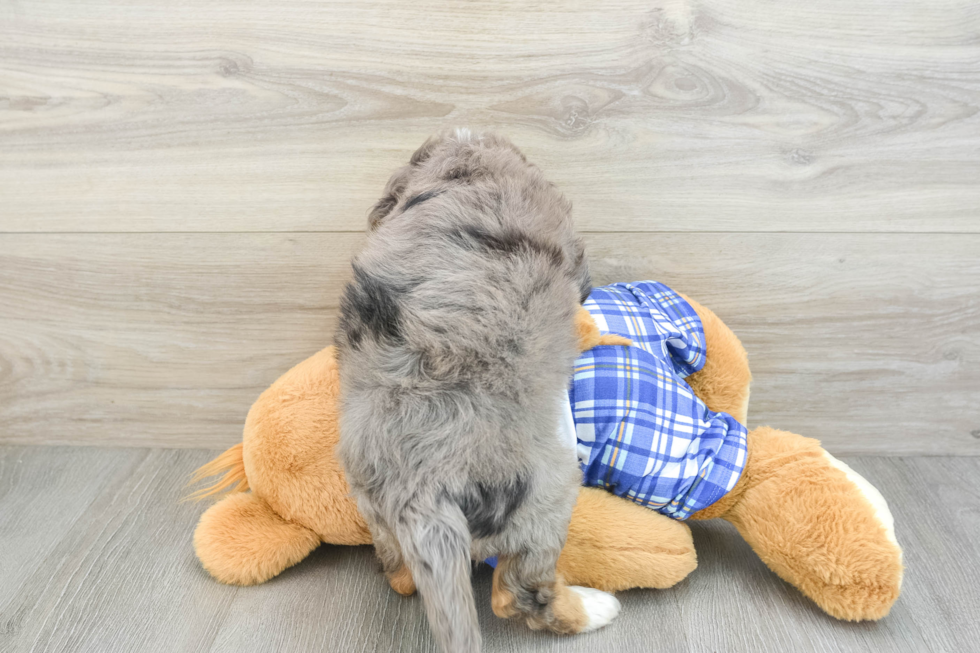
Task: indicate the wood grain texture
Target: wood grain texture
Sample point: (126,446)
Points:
(157,339)
(118,574)
(43,495)
(122,576)
(870,343)
(670,115)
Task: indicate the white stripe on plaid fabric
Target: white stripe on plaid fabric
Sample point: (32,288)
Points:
(642,433)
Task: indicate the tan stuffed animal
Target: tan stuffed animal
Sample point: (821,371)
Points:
(809,517)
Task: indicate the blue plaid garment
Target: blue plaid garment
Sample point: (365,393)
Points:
(642,432)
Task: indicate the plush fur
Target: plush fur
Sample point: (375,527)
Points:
(799,512)
(614,545)
(723,382)
(846,562)
(242,541)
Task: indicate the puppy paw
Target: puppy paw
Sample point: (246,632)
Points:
(402,582)
(600,607)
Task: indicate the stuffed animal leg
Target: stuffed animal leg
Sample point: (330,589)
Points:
(817,524)
(613,544)
(809,517)
(241,541)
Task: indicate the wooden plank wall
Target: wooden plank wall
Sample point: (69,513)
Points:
(182,186)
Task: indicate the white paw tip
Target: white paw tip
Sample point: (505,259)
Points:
(600,607)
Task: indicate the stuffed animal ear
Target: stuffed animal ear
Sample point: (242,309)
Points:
(241,541)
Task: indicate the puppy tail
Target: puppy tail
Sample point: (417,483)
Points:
(436,547)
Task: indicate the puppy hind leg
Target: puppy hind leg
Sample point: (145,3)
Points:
(526,586)
(389,552)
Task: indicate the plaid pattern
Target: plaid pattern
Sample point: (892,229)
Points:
(655,318)
(642,432)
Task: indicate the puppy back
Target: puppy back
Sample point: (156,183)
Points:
(471,274)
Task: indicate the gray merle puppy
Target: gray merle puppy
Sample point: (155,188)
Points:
(456,345)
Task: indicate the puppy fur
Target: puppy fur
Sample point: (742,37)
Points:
(456,344)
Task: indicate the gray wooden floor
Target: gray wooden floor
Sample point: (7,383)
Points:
(95,555)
